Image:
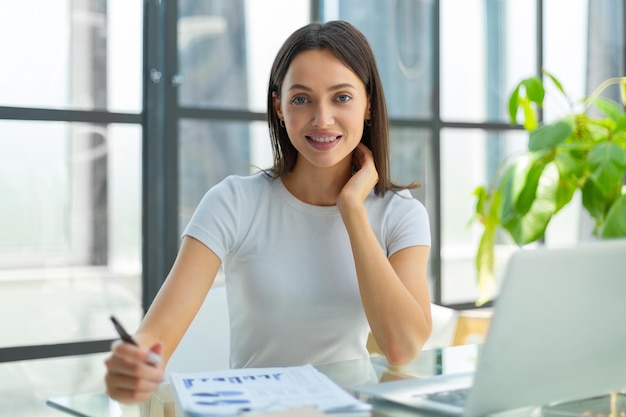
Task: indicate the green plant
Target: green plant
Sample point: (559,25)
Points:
(575,152)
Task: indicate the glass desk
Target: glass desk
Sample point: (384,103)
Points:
(349,374)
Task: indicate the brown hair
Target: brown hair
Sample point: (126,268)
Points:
(351,47)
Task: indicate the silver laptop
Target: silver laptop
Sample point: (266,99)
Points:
(558,333)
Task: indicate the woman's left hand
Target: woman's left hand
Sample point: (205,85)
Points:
(362,181)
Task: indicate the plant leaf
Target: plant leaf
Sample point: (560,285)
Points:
(619,138)
(571,168)
(609,107)
(518,186)
(577,149)
(564,194)
(593,201)
(550,135)
(600,129)
(620,125)
(556,82)
(530,120)
(485,257)
(615,223)
(514,105)
(481,197)
(532,226)
(534,90)
(570,162)
(528,186)
(507,194)
(527,92)
(607,163)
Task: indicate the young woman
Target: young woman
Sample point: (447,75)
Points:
(318,251)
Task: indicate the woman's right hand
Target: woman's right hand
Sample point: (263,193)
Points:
(133,373)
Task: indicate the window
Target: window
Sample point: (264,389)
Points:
(111,132)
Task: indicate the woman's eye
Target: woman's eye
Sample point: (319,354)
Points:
(299,100)
(343,98)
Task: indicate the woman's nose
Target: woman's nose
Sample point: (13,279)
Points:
(323,116)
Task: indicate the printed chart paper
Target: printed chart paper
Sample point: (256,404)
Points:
(254,390)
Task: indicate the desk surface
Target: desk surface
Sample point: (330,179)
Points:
(349,374)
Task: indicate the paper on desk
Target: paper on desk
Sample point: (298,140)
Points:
(253,390)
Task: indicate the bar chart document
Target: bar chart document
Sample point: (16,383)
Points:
(249,390)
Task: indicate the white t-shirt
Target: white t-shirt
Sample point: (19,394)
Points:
(290,278)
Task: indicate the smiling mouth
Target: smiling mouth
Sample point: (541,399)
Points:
(325,139)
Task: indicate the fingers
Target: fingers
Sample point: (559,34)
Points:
(363,160)
(364,152)
(132,353)
(367,175)
(133,373)
(361,155)
(128,389)
(154,355)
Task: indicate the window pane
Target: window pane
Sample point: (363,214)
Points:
(565,46)
(36,193)
(411,162)
(468,159)
(125,190)
(401,34)
(482,63)
(209,151)
(71,54)
(606,45)
(225,50)
(71,222)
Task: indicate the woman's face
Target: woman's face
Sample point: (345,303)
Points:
(324,105)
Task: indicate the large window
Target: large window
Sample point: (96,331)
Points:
(117,116)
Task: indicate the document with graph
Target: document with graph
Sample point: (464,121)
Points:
(256,390)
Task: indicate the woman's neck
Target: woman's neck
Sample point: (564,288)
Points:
(317,186)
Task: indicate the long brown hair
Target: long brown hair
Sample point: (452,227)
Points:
(351,47)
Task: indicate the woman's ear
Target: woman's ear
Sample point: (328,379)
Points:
(276,102)
(368,114)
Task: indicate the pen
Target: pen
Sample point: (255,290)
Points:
(153,358)
(123,333)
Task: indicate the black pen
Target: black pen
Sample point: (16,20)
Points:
(153,358)
(123,333)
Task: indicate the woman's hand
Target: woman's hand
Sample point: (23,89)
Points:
(133,373)
(362,181)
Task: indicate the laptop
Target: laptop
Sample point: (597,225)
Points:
(558,334)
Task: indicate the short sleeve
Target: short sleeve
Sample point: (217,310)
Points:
(408,223)
(214,222)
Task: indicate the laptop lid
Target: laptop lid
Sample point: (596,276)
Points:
(557,333)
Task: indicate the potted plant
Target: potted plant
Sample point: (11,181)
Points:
(575,153)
